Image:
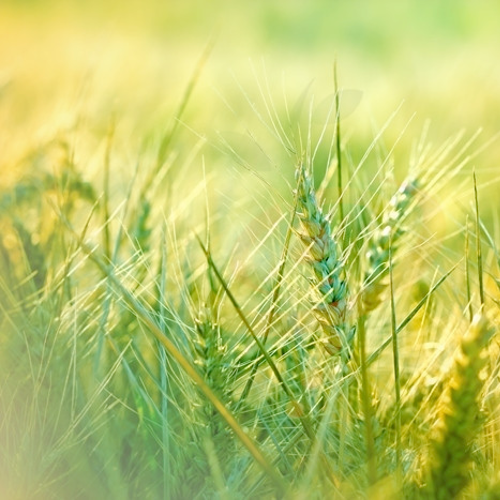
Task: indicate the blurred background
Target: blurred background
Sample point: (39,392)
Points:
(439,58)
(67,64)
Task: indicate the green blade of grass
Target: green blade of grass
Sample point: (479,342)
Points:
(170,134)
(274,304)
(366,401)
(395,357)
(478,243)
(376,354)
(340,192)
(467,272)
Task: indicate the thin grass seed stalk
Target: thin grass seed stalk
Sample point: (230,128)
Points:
(323,256)
(389,233)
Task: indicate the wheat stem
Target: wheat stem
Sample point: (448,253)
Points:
(478,242)
(395,357)
(467,271)
(366,402)
(337,146)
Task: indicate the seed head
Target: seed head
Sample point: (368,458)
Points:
(329,282)
(377,255)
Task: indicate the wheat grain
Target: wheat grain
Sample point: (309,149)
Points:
(459,421)
(377,256)
(323,256)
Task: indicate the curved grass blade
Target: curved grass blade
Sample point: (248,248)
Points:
(478,243)
(337,147)
(274,304)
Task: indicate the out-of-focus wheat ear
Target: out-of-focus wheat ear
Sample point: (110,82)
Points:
(377,257)
(210,354)
(210,357)
(460,416)
(329,281)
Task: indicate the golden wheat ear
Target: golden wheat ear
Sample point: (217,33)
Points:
(459,420)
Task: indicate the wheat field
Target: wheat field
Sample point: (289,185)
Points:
(249,252)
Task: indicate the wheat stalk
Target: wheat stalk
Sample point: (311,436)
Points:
(377,256)
(210,352)
(459,421)
(323,256)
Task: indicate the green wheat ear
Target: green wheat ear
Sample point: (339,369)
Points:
(329,276)
(210,351)
(377,256)
(459,421)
